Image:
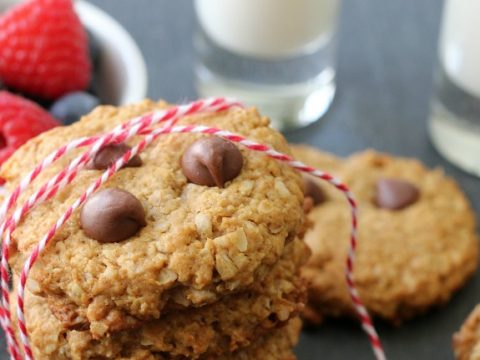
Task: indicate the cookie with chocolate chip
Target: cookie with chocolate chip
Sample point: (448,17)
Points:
(416,243)
(190,220)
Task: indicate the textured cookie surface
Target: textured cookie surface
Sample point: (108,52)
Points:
(199,242)
(225,326)
(407,260)
(50,340)
(276,346)
(466,342)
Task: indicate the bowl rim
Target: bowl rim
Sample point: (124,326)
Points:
(98,21)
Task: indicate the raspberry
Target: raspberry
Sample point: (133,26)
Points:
(20,120)
(44,49)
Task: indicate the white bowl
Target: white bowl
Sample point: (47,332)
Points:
(122,74)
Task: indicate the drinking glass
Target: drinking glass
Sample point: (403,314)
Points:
(455,114)
(278,55)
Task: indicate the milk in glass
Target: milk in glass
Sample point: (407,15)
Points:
(276,54)
(455,117)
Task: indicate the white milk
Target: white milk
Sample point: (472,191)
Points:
(455,116)
(460,44)
(268,28)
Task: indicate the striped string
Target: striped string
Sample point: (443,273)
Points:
(139,127)
(46,191)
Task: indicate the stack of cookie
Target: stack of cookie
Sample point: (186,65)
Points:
(191,251)
(417,238)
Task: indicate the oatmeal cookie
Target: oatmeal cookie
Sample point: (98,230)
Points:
(466,342)
(225,326)
(179,226)
(221,330)
(276,346)
(417,240)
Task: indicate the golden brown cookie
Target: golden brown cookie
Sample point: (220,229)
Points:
(409,258)
(276,346)
(466,342)
(225,326)
(196,244)
(51,341)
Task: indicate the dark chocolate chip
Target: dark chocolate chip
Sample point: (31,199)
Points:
(212,161)
(394,194)
(112,215)
(313,191)
(111,153)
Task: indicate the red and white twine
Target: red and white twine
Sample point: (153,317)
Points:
(138,126)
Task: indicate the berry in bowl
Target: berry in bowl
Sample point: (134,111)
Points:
(57,62)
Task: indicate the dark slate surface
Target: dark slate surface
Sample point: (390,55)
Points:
(387,51)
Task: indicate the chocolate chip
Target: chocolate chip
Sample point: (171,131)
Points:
(212,161)
(395,194)
(112,215)
(313,191)
(111,153)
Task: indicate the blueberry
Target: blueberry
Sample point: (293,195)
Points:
(73,106)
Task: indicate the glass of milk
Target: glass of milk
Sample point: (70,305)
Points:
(278,55)
(455,115)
